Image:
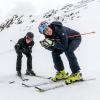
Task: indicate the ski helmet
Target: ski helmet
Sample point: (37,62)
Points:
(43,25)
(30,35)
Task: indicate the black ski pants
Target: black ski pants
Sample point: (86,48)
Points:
(19,61)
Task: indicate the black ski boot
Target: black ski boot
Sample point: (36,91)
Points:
(30,72)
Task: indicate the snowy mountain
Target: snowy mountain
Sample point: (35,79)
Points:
(83,17)
(68,12)
(16,19)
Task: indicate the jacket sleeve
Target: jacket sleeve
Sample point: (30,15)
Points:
(30,47)
(18,46)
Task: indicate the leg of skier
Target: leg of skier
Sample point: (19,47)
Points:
(29,70)
(58,64)
(75,68)
(19,63)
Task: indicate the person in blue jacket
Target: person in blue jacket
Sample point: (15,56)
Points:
(60,39)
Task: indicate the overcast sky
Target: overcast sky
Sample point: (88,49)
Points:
(39,6)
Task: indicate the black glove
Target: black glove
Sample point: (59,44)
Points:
(17,48)
(46,43)
(26,51)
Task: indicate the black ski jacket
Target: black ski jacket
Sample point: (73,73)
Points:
(22,46)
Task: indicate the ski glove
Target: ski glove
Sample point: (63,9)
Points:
(26,51)
(20,50)
(46,43)
(17,48)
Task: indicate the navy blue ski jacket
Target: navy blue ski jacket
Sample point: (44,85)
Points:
(61,36)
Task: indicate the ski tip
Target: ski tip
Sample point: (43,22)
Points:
(39,89)
(93,32)
(89,79)
(49,77)
(11,82)
(25,79)
(25,85)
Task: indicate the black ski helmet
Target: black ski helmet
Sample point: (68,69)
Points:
(30,35)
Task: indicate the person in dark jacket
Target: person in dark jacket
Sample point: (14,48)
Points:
(60,39)
(24,46)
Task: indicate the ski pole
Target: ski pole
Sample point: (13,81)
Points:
(72,36)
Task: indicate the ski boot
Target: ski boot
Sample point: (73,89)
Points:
(30,72)
(19,73)
(74,78)
(60,76)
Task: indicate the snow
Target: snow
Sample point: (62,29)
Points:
(87,54)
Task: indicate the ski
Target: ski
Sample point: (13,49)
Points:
(38,84)
(42,89)
(39,76)
(52,88)
(23,79)
(20,77)
(49,81)
(42,77)
(27,79)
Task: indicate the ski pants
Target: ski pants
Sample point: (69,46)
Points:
(73,63)
(19,61)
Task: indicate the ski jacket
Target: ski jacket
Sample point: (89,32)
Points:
(61,35)
(22,46)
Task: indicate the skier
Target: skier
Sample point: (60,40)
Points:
(57,40)
(24,46)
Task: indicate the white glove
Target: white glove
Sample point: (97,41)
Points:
(46,43)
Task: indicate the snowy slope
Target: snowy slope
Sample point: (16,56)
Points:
(87,54)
